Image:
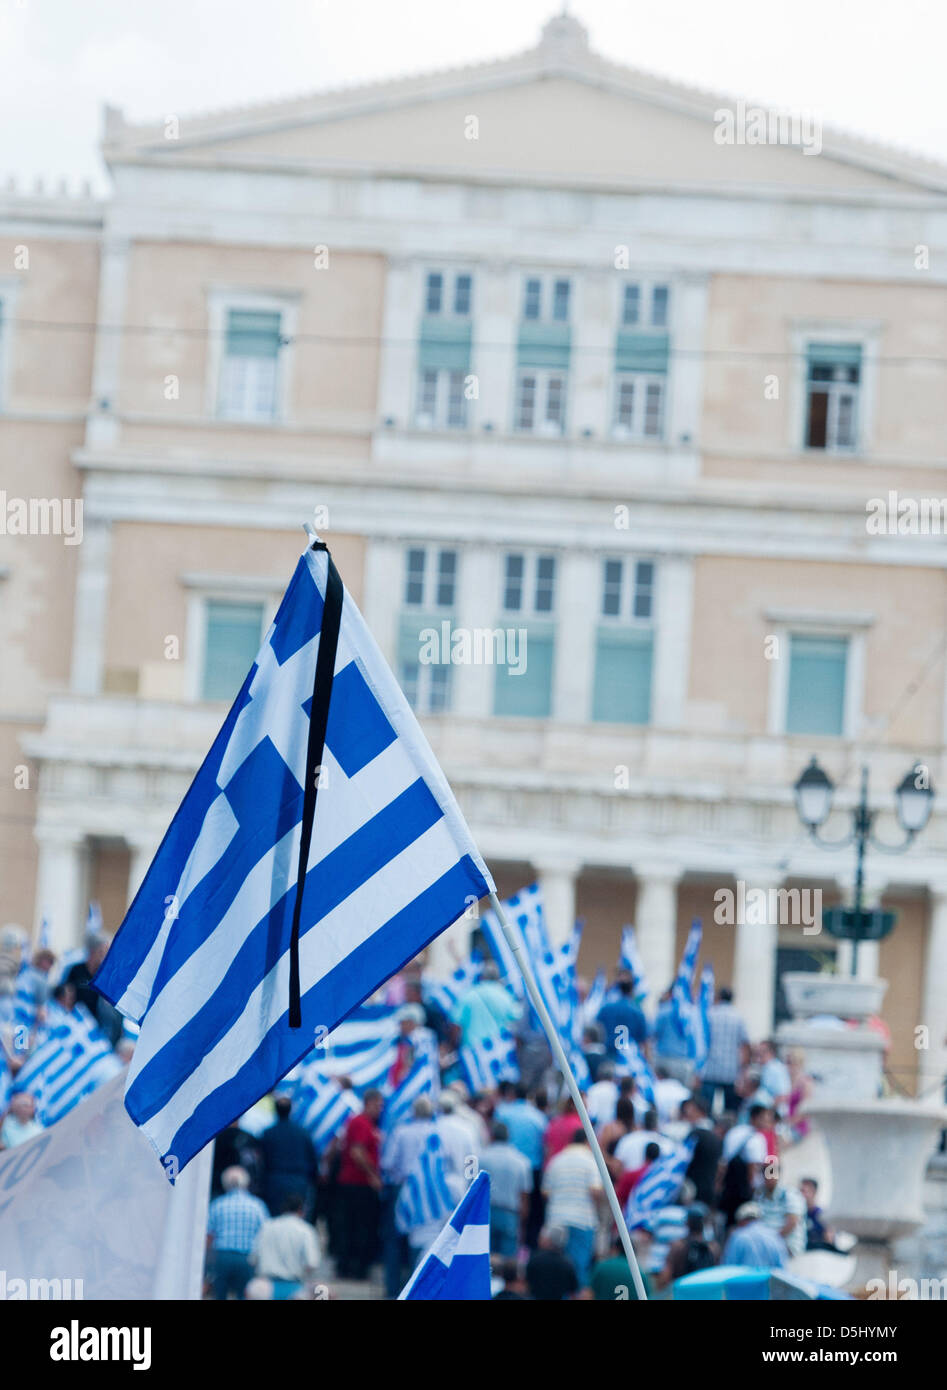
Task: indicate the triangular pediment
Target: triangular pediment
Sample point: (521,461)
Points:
(558,114)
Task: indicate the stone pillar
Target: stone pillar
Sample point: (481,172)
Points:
(141,853)
(497,300)
(477,606)
(60,887)
(397,386)
(933,1060)
(754,958)
(557,883)
(656,928)
(579,594)
(91,607)
(593,354)
(451,948)
(383,592)
(672,639)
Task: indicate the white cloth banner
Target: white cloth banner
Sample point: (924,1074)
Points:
(86,1201)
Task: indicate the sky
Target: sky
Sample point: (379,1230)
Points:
(868,66)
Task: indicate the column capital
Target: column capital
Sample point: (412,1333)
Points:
(658,873)
(548,865)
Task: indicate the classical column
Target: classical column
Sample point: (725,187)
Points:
(404,285)
(656,927)
(579,594)
(497,299)
(672,640)
(60,887)
(91,607)
(932,1060)
(557,883)
(141,853)
(754,955)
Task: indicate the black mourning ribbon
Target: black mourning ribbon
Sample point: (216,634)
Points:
(318,719)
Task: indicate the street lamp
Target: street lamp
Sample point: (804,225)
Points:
(914,799)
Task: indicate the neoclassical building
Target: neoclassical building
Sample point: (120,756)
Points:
(540,354)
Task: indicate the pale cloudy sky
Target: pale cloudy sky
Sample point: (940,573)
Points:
(871,66)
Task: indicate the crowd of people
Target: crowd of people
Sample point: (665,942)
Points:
(286,1215)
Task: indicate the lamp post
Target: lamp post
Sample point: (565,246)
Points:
(914,798)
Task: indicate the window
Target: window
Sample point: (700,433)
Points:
(528,591)
(645,305)
(232,636)
(442,400)
(540,401)
(818,671)
(448,293)
(546,298)
(624,644)
(639,405)
(833,380)
(430,587)
(249,372)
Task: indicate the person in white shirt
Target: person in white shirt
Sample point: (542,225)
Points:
(573,1191)
(459,1139)
(630,1151)
(669,1095)
(285,1254)
(602,1097)
(21,1122)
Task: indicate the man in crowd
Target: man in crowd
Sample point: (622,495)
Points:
(774,1075)
(21,1122)
(511,1183)
(359,1189)
(285,1254)
(398,1155)
(80,977)
(550,1274)
(692,1252)
(526,1126)
(486,1009)
(729,1052)
(782,1208)
(233,1223)
(752,1242)
(671,1046)
(289,1159)
(745,1150)
(708,1147)
(622,1021)
(819,1236)
(573,1191)
(612,1278)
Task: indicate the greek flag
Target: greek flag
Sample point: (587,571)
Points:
(457,1266)
(421,1080)
(322,1107)
(659,1186)
(488,1061)
(362,1048)
(445,993)
(498,946)
(631,961)
(682,990)
(211,947)
(632,1062)
(425,1196)
(73,1059)
(594,1000)
(31,993)
(701,1035)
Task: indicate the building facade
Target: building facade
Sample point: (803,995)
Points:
(583,392)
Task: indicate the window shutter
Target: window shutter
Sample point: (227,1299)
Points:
(623,662)
(815,701)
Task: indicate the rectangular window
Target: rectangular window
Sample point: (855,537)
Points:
(546,297)
(462,294)
(545,583)
(624,644)
(815,699)
(513,584)
(659,306)
(560,300)
(426,684)
(639,405)
(833,381)
(249,373)
(631,305)
(442,401)
(430,578)
(642,601)
(435,293)
(540,406)
(529,587)
(232,636)
(611,589)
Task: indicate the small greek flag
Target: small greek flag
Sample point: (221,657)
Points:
(488,1061)
(701,1034)
(242,942)
(425,1197)
(631,961)
(73,1060)
(420,1081)
(659,1186)
(322,1107)
(682,990)
(632,1062)
(457,1266)
(593,1001)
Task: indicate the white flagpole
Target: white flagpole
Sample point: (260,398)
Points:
(532,989)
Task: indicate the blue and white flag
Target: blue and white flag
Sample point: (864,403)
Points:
(445,993)
(631,961)
(72,1061)
(203,958)
(425,1197)
(93,920)
(659,1186)
(362,1048)
(701,1035)
(323,1108)
(500,949)
(594,1000)
(682,990)
(488,1061)
(457,1266)
(421,1080)
(632,1062)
